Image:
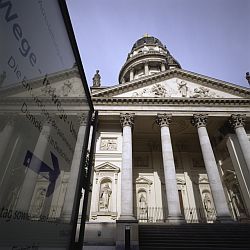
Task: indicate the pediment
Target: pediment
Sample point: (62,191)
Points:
(62,84)
(175,83)
(107,167)
(180,181)
(203,180)
(143,180)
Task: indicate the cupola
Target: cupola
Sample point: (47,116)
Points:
(147,57)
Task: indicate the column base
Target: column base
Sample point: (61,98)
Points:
(125,228)
(224,219)
(176,220)
(126,218)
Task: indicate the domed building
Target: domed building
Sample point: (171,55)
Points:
(172,147)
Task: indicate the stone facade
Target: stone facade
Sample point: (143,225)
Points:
(179,143)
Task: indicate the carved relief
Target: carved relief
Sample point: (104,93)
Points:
(66,88)
(140,93)
(159,90)
(182,87)
(202,92)
(109,144)
(48,90)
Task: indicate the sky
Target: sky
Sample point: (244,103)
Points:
(211,38)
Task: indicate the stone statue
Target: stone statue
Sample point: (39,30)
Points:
(237,200)
(105,197)
(97,79)
(208,206)
(39,200)
(142,204)
(182,87)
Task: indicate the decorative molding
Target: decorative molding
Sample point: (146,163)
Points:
(107,167)
(237,120)
(199,120)
(170,101)
(164,120)
(127,119)
(168,74)
(143,180)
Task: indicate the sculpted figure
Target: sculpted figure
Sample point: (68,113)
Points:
(182,87)
(142,203)
(105,197)
(97,79)
(159,90)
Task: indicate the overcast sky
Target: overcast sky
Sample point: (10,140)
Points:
(211,38)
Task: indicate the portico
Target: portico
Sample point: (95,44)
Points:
(179,142)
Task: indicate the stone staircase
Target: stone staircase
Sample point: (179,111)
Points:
(194,236)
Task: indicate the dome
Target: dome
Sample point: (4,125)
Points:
(149,40)
(148,56)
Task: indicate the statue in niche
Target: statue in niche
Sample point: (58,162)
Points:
(182,87)
(237,201)
(97,79)
(12,197)
(208,205)
(105,196)
(142,204)
(39,200)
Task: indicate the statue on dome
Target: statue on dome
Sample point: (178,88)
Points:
(97,79)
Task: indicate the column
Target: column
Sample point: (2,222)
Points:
(28,187)
(131,75)
(127,121)
(69,200)
(5,136)
(220,202)
(146,68)
(238,122)
(173,203)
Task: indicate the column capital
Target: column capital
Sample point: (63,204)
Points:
(164,120)
(237,120)
(199,120)
(127,119)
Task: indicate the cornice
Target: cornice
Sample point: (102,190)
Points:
(168,74)
(110,101)
(45,100)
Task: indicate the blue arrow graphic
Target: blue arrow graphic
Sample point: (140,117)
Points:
(38,166)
